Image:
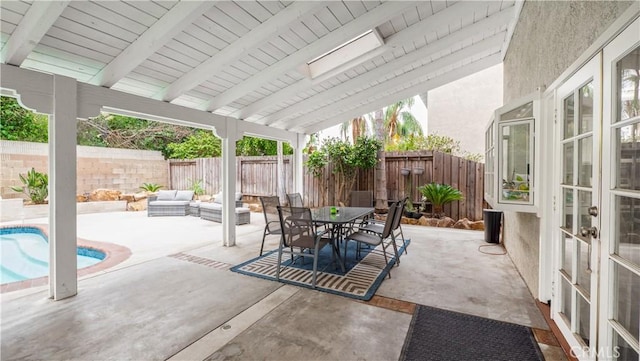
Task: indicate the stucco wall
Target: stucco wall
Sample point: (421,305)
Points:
(462,108)
(549,37)
(120,169)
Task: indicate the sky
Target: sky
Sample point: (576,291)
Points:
(419,111)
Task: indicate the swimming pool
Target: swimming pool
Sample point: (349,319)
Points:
(25,254)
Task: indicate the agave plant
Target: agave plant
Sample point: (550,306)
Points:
(150,187)
(439,195)
(35,185)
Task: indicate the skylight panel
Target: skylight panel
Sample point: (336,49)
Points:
(344,53)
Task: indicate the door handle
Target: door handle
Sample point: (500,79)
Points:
(589,231)
(593,211)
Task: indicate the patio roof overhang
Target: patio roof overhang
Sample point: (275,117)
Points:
(273,69)
(257,61)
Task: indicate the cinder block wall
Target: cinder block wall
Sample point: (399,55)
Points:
(121,169)
(549,37)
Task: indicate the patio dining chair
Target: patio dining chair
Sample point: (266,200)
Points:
(295,200)
(272,221)
(299,235)
(384,238)
(396,233)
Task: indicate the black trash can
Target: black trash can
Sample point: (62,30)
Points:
(492,221)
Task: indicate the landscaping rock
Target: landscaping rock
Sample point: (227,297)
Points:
(140,196)
(137,206)
(446,222)
(207,198)
(105,195)
(463,223)
(127,197)
(432,222)
(423,221)
(255,207)
(477,226)
(81,198)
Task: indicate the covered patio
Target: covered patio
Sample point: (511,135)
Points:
(162,306)
(276,70)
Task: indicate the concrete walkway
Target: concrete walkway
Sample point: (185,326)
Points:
(155,306)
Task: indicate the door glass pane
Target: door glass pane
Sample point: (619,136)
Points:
(627,240)
(628,157)
(627,299)
(584,273)
(628,71)
(567,249)
(567,209)
(584,202)
(583,319)
(565,308)
(568,164)
(585,157)
(568,117)
(586,108)
(623,351)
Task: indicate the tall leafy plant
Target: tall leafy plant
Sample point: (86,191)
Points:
(345,159)
(439,195)
(35,185)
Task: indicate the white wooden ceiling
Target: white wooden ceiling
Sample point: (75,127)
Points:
(247,59)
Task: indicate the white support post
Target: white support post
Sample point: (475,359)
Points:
(229,183)
(62,190)
(281,191)
(298,166)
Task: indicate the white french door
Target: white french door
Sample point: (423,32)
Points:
(620,261)
(578,243)
(596,296)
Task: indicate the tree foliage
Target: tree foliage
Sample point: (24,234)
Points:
(251,146)
(345,159)
(202,144)
(17,123)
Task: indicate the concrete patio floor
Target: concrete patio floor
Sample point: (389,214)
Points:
(155,306)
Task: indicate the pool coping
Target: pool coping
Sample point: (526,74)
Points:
(114,255)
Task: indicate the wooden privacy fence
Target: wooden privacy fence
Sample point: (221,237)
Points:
(257,176)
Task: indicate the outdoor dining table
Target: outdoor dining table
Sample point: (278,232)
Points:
(337,221)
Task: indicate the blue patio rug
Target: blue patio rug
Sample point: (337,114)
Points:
(360,281)
(441,335)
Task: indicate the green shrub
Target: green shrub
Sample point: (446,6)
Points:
(35,185)
(439,195)
(150,187)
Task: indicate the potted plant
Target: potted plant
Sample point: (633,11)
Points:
(35,185)
(439,195)
(150,187)
(198,189)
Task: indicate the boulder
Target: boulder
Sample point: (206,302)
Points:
(477,226)
(141,195)
(446,222)
(104,195)
(137,206)
(255,207)
(423,221)
(463,223)
(81,198)
(127,197)
(207,198)
(432,222)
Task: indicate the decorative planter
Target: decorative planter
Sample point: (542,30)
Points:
(418,171)
(405,171)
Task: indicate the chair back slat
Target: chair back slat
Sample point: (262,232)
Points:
(295,200)
(389,223)
(270,210)
(398,216)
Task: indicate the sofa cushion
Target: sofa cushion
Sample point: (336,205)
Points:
(216,206)
(166,195)
(238,196)
(218,198)
(184,196)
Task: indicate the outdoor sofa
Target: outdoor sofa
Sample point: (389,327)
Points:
(169,203)
(212,211)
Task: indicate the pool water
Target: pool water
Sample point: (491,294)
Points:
(24,254)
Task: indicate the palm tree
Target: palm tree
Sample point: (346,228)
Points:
(399,121)
(380,175)
(358,128)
